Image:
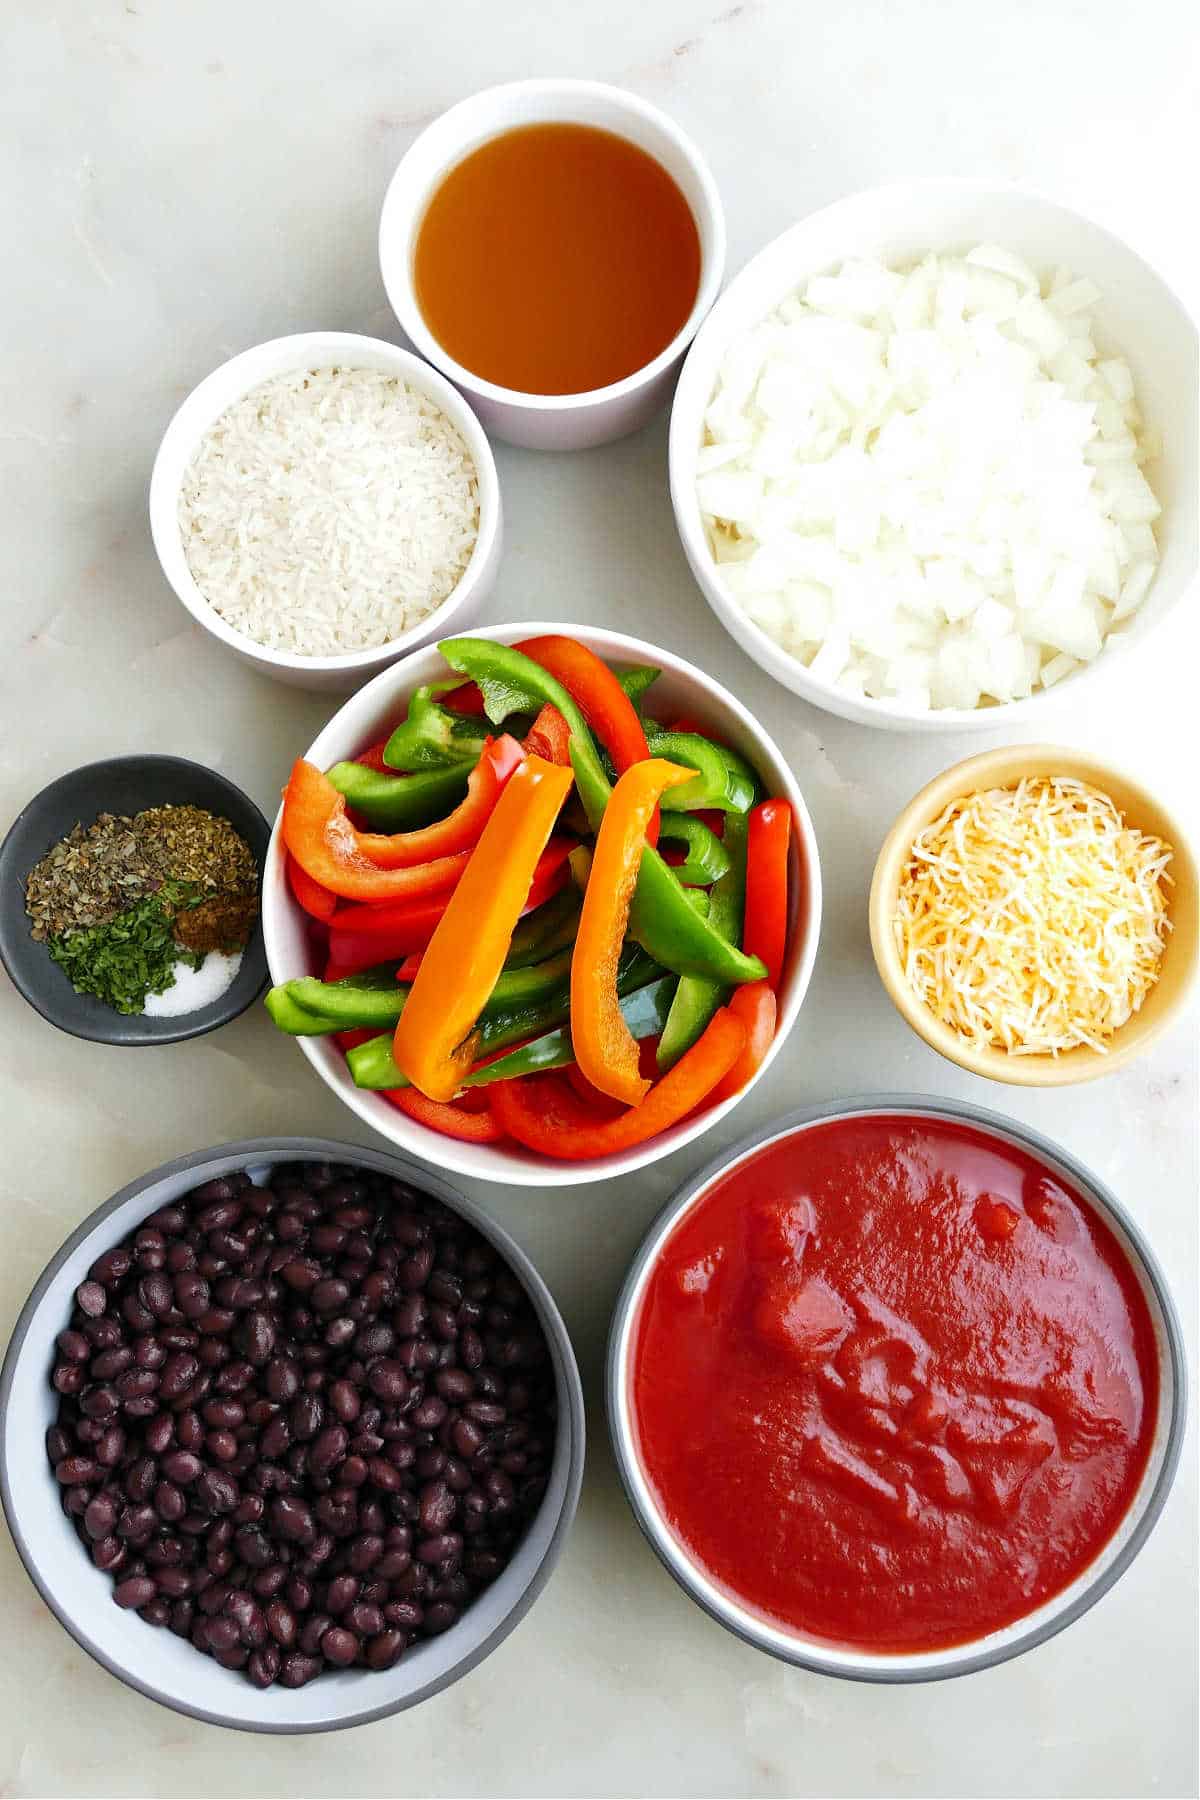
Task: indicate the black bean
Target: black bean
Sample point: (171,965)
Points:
(109,1554)
(297,1669)
(292,1520)
(134,1591)
(263,1666)
(312,1631)
(71,1470)
(91,1298)
(387,1380)
(216,1490)
(182,1466)
(339,1647)
(439,1617)
(110,1447)
(384,1650)
(305,1416)
(305,1375)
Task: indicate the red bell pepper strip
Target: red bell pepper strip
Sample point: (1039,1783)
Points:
(600,698)
(408,968)
(325,844)
(465,699)
(767,842)
(460,829)
(468,1125)
(316,900)
(755,1005)
(549,737)
(545,1114)
(434,1042)
(604,1046)
(686,723)
(601,1106)
(372,758)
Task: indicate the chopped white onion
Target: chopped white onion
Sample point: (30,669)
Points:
(926,485)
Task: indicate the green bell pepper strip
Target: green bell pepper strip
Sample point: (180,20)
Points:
(707,857)
(356,1005)
(401,802)
(363,989)
(551,927)
(512,682)
(724,781)
(645,1012)
(293,1019)
(696,999)
(372,1066)
(637,681)
(431,736)
(661,919)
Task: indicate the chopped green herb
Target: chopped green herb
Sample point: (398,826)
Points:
(130,956)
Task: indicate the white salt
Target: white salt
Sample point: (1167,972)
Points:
(194,988)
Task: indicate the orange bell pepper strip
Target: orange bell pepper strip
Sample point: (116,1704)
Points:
(317,901)
(544,1113)
(470,1125)
(605,1048)
(435,1037)
(369,865)
(755,1005)
(325,844)
(766,919)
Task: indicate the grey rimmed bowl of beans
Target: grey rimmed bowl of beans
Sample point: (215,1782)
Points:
(335,1525)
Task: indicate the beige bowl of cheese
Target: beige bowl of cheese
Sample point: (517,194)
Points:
(1027,930)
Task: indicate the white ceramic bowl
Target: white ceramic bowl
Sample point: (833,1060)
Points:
(162,1666)
(320,349)
(998,1646)
(1139,315)
(680,689)
(550,421)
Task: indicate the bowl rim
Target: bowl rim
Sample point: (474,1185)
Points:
(545,1173)
(239,1153)
(1002,767)
(966,1659)
(399,221)
(179,1031)
(163,494)
(790,673)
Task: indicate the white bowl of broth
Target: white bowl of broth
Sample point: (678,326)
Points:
(552,247)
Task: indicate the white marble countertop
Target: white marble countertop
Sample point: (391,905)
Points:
(192,178)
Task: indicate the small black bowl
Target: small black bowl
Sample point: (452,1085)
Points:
(123,784)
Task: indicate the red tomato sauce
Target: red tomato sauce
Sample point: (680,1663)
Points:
(893,1384)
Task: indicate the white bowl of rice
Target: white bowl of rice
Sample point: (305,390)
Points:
(933,455)
(324,504)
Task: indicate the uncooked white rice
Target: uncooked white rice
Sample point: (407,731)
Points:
(329,510)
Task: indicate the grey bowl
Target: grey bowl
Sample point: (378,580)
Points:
(1055,1614)
(123,784)
(153,1661)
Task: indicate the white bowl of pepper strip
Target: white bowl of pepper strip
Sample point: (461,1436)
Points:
(129,901)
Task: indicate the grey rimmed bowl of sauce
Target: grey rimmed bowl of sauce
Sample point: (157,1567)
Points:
(933,1376)
(166,1667)
(123,785)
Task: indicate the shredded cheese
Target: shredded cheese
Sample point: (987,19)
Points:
(1033,919)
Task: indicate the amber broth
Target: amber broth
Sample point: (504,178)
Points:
(555,259)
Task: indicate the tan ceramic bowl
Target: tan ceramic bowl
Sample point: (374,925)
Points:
(1003,768)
